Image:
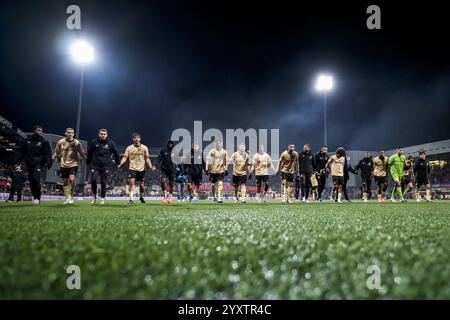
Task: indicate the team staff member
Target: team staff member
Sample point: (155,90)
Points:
(321,160)
(168,171)
(37,155)
(99,158)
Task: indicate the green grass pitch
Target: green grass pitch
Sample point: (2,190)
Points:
(229,251)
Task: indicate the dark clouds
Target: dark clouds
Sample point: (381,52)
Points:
(232,65)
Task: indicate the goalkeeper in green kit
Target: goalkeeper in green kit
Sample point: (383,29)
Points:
(397,163)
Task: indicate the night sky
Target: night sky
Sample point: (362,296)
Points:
(232,64)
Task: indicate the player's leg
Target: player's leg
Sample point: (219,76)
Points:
(171,179)
(290,184)
(103,180)
(163,185)
(243,181)
(266,187)
(220,177)
(321,180)
(258,188)
(428,191)
(94,177)
(314,185)
(283,187)
(131,186)
(72,176)
(368,188)
(364,189)
(235,181)
(340,181)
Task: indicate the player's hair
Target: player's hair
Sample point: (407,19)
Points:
(421,152)
(325,147)
(307,144)
(103,130)
(35,127)
(136,134)
(69,129)
(398,148)
(340,151)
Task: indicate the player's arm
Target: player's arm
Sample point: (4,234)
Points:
(47,150)
(114,152)
(81,153)
(209,161)
(148,161)
(57,152)
(90,152)
(124,158)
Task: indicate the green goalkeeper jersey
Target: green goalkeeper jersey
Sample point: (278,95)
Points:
(397,164)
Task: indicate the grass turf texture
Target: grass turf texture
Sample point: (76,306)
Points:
(229,251)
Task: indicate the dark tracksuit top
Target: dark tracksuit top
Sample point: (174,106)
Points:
(100,152)
(306,161)
(320,160)
(366,167)
(37,152)
(165,160)
(421,169)
(196,165)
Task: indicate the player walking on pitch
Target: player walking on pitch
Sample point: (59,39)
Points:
(288,166)
(380,170)
(168,171)
(69,152)
(422,170)
(397,164)
(260,164)
(321,160)
(100,152)
(193,170)
(216,164)
(37,154)
(365,166)
(336,163)
(407,179)
(241,169)
(138,156)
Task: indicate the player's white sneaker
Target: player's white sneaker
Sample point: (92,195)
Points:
(339,201)
(35,202)
(102,201)
(303,199)
(259,200)
(67,201)
(236,200)
(94,200)
(429,200)
(393,200)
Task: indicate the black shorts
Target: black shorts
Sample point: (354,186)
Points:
(238,180)
(195,179)
(137,175)
(214,177)
(421,181)
(289,177)
(66,172)
(338,180)
(168,174)
(261,179)
(380,180)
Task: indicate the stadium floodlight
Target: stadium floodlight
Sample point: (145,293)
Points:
(324,84)
(82,53)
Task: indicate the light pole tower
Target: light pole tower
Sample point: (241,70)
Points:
(83,54)
(324,84)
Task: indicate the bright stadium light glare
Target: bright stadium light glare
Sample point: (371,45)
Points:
(324,83)
(82,52)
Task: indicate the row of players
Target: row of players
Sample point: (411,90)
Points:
(312,170)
